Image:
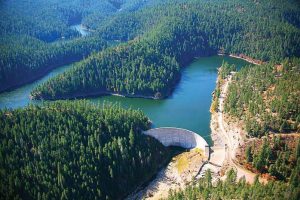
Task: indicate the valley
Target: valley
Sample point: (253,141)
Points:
(95,97)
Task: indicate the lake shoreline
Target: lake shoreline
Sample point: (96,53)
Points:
(39,74)
(168,94)
(107,93)
(36,76)
(48,69)
(244,57)
(228,134)
(93,94)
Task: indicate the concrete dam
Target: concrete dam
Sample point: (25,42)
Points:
(171,136)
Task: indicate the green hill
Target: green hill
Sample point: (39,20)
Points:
(75,150)
(178,33)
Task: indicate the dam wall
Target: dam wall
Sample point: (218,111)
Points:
(171,136)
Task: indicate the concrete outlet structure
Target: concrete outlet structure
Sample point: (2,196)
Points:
(171,136)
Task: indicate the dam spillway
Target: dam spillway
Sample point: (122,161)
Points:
(171,136)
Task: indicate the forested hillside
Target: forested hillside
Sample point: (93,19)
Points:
(138,48)
(277,157)
(264,99)
(75,150)
(27,27)
(24,58)
(181,32)
(267,98)
(36,36)
(114,70)
(231,188)
(48,20)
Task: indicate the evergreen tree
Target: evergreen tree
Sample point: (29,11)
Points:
(249,156)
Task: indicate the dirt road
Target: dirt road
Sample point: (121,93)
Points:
(232,137)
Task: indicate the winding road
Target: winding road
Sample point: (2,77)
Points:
(232,137)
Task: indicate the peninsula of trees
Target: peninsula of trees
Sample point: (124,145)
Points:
(71,150)
(172,36)
(36,36)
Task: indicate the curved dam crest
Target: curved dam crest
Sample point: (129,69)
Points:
(172,136)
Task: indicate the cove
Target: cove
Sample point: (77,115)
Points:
(188,106)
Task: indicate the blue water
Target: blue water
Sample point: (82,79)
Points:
(188,107)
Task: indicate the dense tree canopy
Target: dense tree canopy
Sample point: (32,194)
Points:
(267,97)
(36,36)
(182,29)
(275,156)
(48,20)
(24,58)
(180,32)
(75,150)
(114,70)
(231,188)
(79,150)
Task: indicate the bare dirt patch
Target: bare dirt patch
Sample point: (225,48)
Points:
(179,172)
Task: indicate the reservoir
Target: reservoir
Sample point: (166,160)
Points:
(188,106)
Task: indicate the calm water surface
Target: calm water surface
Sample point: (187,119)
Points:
(188,107)
(20,96)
